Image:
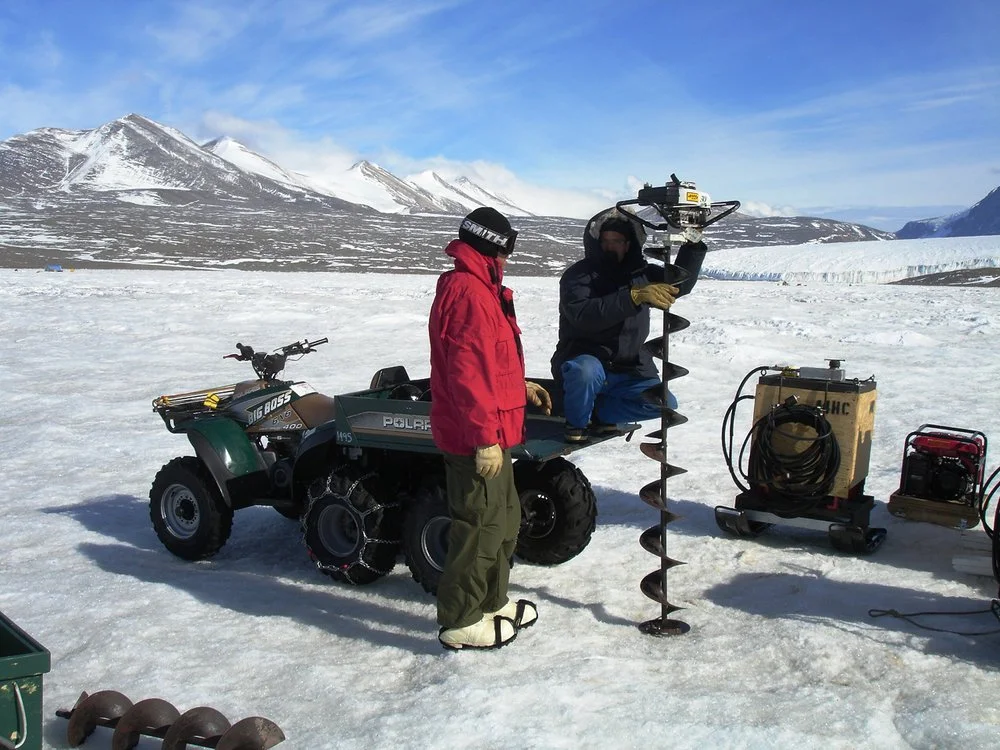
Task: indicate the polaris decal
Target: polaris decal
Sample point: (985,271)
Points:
(398,422)
(259,412)
(380,422)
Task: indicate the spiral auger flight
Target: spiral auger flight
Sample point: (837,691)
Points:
(654,539)
(678,208)
(154,717)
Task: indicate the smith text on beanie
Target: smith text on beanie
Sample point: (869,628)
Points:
(488,231)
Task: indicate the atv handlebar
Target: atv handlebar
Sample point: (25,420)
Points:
(267,366)
(245,353)
(302,347)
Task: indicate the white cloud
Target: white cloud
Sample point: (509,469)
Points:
(27,109)
(198,30)
(374,21)
(762,210)
(286,148)
(45,52)
(546,201)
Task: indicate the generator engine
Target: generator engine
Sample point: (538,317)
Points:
(806,456)
(941,480)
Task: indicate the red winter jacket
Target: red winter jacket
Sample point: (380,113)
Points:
(477,366)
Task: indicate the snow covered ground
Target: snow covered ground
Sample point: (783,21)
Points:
(781,652)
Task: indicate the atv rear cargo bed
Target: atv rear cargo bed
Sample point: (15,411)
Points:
(395,415)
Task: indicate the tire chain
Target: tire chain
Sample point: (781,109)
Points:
(368,540)
(154,717)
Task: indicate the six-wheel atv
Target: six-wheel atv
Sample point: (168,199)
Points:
(360,471)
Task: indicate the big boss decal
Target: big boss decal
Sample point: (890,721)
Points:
(275,402)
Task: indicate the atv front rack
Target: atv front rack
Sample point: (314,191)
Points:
(182,407)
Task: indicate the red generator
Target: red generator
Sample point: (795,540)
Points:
(942,476)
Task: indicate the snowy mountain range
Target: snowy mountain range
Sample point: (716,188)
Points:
(136,191)
(130,157)
(982,219)
(134,158)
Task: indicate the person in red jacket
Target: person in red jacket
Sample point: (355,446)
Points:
(477,415)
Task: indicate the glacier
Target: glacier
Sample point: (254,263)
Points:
(853,262)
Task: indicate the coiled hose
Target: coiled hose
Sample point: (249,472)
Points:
(799,481)
(793,483)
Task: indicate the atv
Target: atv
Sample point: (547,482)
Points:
(360,471)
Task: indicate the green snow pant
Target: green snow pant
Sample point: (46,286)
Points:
(485,518)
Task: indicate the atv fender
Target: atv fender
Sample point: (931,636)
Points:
(317,455)
(226,451)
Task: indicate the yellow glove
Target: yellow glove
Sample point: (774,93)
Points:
(538,396)
(489,461)
(660,296)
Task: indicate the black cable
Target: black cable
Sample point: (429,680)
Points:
(989,489)
(994,608)
(996,548)
(794,482)
(729,421)
(985,497)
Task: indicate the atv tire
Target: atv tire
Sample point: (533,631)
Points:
(349,533)
(558,515)
(558,511)
(425,534)
(187,510)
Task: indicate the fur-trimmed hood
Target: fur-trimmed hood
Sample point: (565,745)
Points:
(592,233)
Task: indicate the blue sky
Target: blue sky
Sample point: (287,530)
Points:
(791,105)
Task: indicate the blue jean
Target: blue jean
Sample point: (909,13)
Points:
(617,396)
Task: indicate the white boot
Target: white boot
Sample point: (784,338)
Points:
(522,612)
(490,632)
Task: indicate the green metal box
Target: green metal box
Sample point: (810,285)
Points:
(23,661)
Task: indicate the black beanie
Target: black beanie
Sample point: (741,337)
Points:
(498,237)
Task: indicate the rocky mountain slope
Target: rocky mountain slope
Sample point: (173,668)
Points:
(982,219)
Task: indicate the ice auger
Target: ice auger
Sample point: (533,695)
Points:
(155,717)
(654,539)
(681,207)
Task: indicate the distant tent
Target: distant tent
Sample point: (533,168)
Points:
(53,267)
